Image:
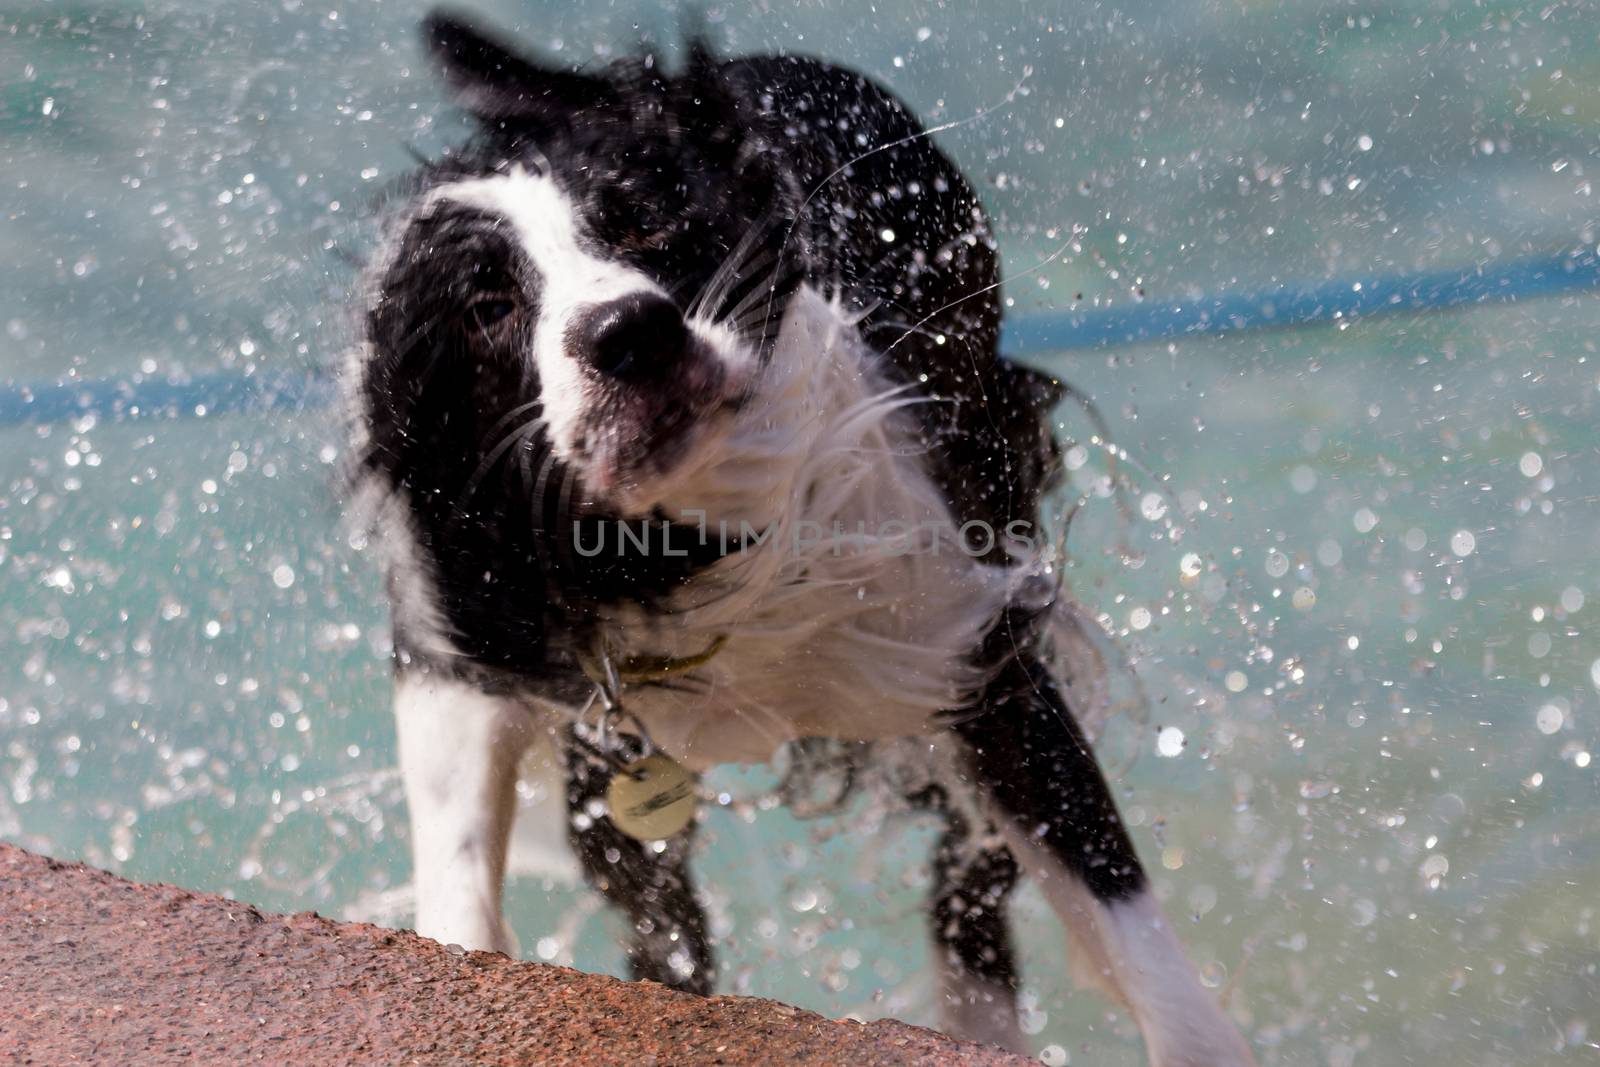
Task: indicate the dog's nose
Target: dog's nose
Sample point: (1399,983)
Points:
(632,338)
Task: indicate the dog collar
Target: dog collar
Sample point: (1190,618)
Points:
(654,668)
(651,798)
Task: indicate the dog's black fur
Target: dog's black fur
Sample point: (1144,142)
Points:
(671,172)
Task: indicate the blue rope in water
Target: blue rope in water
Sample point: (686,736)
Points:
(1025,335)
(1304,305)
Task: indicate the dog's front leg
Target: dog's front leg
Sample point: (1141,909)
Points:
(974,962)
(649,883)
(459,749)
(1051,803)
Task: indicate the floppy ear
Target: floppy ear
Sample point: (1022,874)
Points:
(493,81)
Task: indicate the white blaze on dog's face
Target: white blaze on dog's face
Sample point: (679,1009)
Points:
(629,388)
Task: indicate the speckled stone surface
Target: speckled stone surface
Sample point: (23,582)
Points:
(97,969)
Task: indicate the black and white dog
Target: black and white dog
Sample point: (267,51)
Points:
(685,388)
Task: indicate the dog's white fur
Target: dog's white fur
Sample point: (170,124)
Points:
(459,750)
(864,636)
(1129,949)
(849,620)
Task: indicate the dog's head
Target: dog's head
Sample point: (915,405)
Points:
(590,282)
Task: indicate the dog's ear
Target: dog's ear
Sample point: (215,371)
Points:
(494,81)
(705,107)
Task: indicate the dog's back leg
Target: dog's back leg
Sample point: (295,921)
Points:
(1035,770)
(974,965)
(667,942)
(459,749)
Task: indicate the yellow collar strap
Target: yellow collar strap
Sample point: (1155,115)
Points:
(609,674)
(654,668)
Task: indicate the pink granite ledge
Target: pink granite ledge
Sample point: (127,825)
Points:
(97,969)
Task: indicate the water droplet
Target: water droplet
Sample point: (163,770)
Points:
(1530,464)
(1169,742)
(1462,543)
(1549,719)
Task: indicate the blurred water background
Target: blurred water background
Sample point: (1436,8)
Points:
(1353,563)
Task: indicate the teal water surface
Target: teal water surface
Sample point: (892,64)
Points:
(1352,565)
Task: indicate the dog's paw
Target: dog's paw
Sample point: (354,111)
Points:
(474,933)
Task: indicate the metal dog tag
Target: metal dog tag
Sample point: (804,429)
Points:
(652,799)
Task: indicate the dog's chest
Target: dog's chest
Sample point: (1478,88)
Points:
(855,610)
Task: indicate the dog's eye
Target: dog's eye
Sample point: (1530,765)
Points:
(487,314)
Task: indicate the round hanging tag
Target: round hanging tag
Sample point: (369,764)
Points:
(651,799)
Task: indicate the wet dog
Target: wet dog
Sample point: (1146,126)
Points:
(681,418)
